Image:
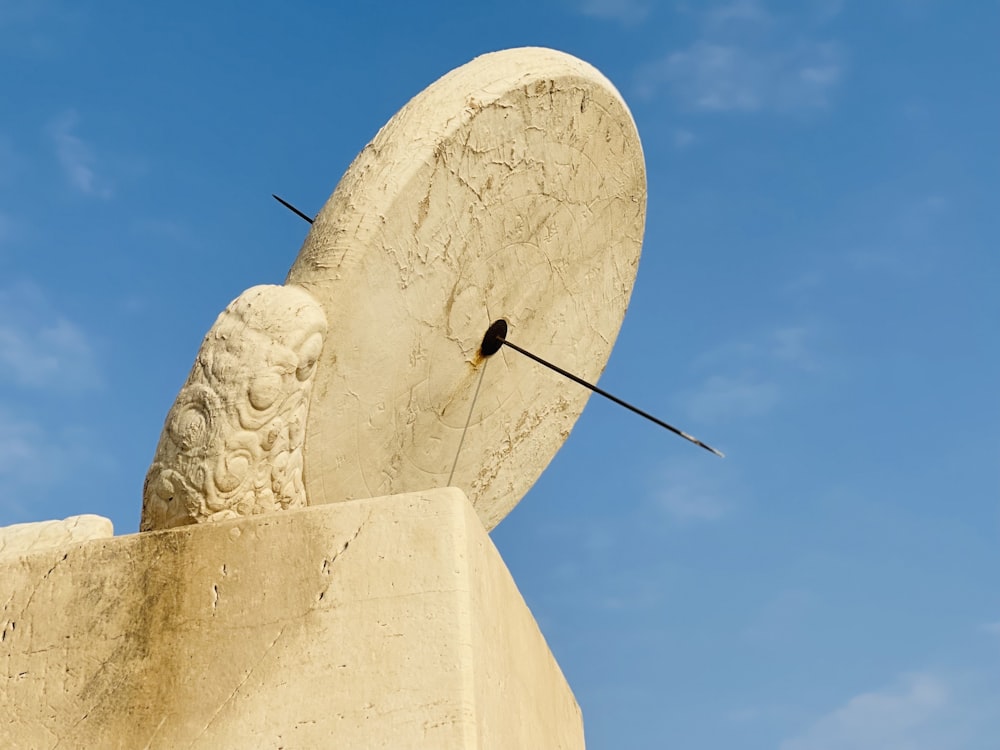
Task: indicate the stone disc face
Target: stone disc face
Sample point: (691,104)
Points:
(513,187)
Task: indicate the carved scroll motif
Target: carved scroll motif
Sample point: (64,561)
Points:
(232,442)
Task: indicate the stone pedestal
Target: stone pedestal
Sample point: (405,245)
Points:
(385,623)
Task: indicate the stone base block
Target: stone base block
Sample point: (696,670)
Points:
(385,623)
(23,538)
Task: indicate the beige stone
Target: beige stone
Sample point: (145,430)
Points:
(386,623)
(514,187)
(23,538)
(233,441)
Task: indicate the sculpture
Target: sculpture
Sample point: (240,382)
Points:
(513,187)
(233,440)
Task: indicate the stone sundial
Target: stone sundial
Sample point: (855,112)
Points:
(512,188)
(493,224)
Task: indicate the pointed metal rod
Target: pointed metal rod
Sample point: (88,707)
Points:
(495,338)
(291,208)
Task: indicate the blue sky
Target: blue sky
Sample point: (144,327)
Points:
(817,298)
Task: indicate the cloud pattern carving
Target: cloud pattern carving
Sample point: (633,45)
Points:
(233,441)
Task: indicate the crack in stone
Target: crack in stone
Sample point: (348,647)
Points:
(34,589)
(240,685)
(327,566)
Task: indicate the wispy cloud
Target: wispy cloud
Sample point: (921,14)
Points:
(627,12)
(993,628)
(684,138)
(33,28)
(749,60)
(913,238)
(737,11)
(894,233)
(895,717)
(634,594)
(747,376)
(35,457)
(76,157)
(22,454)
(687,493)
(784,613)
(39,348)
(723,396)
(790,344)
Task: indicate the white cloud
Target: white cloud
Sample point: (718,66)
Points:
(686,492)
(748,377)
(32,28)
(993,628)
(781,615)
(895,718)
(634,593)
(723,396)
(716,77)
(40,348)
(790,345)
(623,11)
(781,345)
(911,241)
(17,441)
(738,10)
(748,60)
(76,156)
(28,453)
(34,457)
(683,138)
(920,710)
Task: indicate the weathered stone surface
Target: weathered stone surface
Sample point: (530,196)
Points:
(387,623)
(23,538)
(232,443)
(513,187)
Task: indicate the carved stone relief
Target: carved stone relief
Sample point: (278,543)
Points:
(232,442)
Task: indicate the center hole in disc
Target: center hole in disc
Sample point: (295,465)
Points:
(494,337)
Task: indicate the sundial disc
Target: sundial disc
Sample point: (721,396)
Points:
(513,187)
